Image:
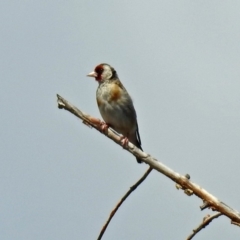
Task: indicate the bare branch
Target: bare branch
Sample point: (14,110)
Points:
(205,222)
(132,188)
(182,181)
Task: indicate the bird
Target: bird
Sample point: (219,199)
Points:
(116,105)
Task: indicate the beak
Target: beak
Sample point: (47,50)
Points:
(92,74)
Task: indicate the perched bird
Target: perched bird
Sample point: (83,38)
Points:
(115,104)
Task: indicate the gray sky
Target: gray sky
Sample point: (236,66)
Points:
(180,62)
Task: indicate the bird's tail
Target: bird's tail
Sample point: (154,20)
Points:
(138,144)
(138,159)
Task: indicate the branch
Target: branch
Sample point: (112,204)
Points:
(206,221)
(132,188)
(183,182)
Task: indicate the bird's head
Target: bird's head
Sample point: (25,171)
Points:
(103,72)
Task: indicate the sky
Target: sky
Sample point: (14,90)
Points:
(179,60)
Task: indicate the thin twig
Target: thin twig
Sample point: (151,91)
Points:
(132,188)
(186,185)
(205,222)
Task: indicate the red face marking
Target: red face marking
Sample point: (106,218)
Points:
(99,70)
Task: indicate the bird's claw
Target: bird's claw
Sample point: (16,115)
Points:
(104,126)
(124,141)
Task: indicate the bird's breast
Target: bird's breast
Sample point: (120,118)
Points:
(116,107)
(109,93)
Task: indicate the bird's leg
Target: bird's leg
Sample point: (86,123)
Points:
(124,141)
(104,126)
